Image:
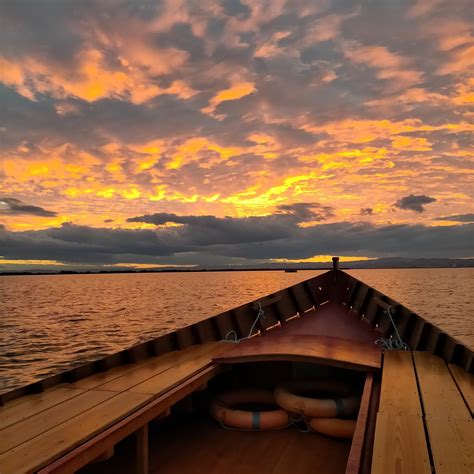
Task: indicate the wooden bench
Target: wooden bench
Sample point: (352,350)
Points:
(446,394)
(400,444)
(78,422)
(448,419)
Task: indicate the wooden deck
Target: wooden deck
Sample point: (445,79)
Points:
(332,335)
(424,423)
(198,445)
(37,429)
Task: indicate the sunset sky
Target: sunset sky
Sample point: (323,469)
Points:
(234,132)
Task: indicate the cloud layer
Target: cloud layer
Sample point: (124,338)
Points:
(206,240)
(119,115)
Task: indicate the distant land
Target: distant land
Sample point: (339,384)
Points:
(358,264)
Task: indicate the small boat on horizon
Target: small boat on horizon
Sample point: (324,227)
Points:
(328,375)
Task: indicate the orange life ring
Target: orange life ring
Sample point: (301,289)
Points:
(286,395)
(222,411)
(333,427)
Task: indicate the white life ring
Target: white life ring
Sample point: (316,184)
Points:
(222,411)
(335,427)
(287,396)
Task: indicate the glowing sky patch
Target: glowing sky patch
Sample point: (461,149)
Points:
(234,109)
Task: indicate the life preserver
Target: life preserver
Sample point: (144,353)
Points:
(333,427)
(222,411)
(286,395)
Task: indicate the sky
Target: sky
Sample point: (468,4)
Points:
(216,132)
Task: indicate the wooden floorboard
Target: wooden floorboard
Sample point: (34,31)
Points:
(41,422)
(11,414)
(448,421)
(45,426)
(186,362)
(198,445)
(399,392)
(38,451)
(439,393)
(465,383)
(177,374)
(400,445)
(452,445)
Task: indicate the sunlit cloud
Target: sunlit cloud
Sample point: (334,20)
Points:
(235,109)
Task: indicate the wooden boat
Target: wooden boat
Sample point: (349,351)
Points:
(146,409)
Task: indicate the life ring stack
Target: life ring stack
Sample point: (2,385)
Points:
(322,415)
(329,416)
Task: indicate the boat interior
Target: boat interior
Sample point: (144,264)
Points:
(188,440)
(392,392)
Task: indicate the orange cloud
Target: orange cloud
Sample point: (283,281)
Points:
(233,93)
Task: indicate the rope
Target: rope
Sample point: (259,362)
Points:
(392,343)
(231,336)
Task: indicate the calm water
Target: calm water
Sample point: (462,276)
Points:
(51,323)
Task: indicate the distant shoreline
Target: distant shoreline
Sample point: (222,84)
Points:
(213,270)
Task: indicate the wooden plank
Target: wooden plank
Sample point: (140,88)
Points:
(38,451)
(399,392)
(298,348)
(452,445)
(157,363)
(465,383)
(166,380)
(400,445)
(355,454)
(162,364)
(439,393)
(85,452)
(29,397)
(35,425)
(98,379)
(16,412)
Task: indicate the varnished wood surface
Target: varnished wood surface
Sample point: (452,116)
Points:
(332,334)
(447,427)
(465,383)
(37,424)
(103,441)
(400,445)
(298,348)
(439,393)
(20,409)
(45,426)
(37,451)
(355,455)
(452,445)
(164,371)
(399,392)
(200,446)
(332,320)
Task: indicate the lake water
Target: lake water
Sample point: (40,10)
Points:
(51,323)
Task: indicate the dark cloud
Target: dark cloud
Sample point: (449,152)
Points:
(366,211)
(457,218)
(236,8)
(414,202)
(211,230)
(308,211)
(12,206)
(207,240)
